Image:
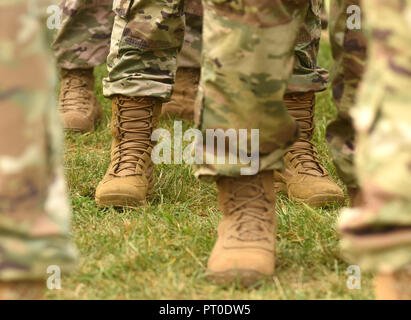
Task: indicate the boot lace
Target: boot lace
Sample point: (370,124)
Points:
(251,213)
(129,153)
(303,152)
(75,93)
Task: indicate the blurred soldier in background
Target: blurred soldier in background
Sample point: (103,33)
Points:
(376,234)
(34,210)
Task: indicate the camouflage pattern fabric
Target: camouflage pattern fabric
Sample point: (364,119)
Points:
(307,76)
(84,38)
(247,63)
(377,236)
(83,41)
(190,55)
(34,210)
(147,37)
(349,49)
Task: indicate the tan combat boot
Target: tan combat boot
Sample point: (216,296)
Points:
(78,104)
(305,179)
(184,94)
(22,290)
(129,178)
(393,286)
(245,246)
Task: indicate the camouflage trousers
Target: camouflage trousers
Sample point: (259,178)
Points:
(247,62)
(307,76)
(83,40)
(146,39)
(34,210)
(349,49)
(377,236)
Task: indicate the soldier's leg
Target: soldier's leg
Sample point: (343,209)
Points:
(189,68)
(34,211)
(81,43)
(247,62)
(349,49)
(377,235)
(305,179)
(146,39)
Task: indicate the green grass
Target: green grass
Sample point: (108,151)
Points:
(160,251)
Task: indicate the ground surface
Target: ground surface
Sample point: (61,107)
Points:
(160,251)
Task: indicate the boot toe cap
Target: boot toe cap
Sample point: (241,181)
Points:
(246,266)
(77,122)
(316,191)
(121,192)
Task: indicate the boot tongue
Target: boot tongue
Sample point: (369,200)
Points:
(76,84)
(308,164)
(73,83)
(245,186)
(135,127)
(250,205)
(79,77)
(249,188)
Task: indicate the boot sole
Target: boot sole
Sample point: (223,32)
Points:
(320,200)
(245,277)
(118,201)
